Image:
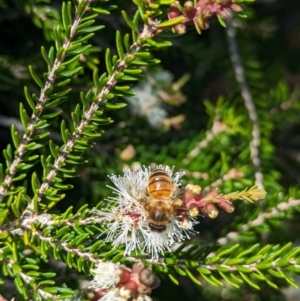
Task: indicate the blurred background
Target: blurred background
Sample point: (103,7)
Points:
(187,113)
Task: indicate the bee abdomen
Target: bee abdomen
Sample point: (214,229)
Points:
(159,184)
(157,228)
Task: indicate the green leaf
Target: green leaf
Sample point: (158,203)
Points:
(64,132)
(86,37)
(66,15)
(212,280)
(99,10)
(74,59)
(29,98)
(222,253)
(114,106)
(264,250)
(69,73)
(73,46)
(84,25)
(253,259)
(80,50)
(234,261)
(212,259)
(54,149)
(229,280)
(171,22)
(80,8)
(119,45)
(15,136)
(63,83)
(53,104)
(173,279)
(45,56)
(91,29)
(108,62)
(203,270)
(282,262)
(249,281)
(25,119)
(49,116)
(263,265)
(35,184)
(62,186)
(35,77)
(47,282)
(243,269)
(8,154)
(129,22)
(96,80)
(222,22)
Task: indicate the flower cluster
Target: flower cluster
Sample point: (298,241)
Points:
(152,95)
(199,13)
(198,204)
(142,218)
(128,220)
(115,282)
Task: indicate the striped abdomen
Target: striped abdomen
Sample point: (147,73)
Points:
(160,184)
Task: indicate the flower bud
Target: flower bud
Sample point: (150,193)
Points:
(192,194)
(256,194)
(224,13)
(95,294)
(194,211)
(148,278)
(211,210)
(188,6)
(226,207)
(180,28)
(236,8)
(128,290)
(124,274)
(174,11)
(137,267)
(206,13)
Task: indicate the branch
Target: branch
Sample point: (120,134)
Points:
(112,80)
(41,102)
(248,101)
(260,220)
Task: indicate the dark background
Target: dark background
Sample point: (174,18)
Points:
(269,42)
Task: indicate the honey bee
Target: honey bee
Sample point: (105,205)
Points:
(161,200)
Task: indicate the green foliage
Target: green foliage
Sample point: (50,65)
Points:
(96,102)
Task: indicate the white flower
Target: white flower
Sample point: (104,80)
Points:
(147,103)
(115,282)
(127,221)
(105,275)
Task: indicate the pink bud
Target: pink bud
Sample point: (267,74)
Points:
(192,194)
(95,295)
(124,275)
(174,11)
(190,12)
(224,13)
(194,211)
(236,8)
(148,278)
(180,29)
(137,267)
(226,206)
(211,210)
